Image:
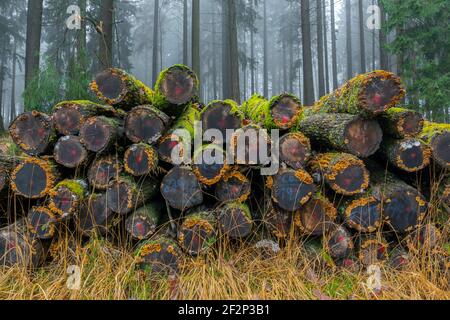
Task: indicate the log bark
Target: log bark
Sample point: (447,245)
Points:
(95,216)
(146,124)
(181,189)
(125,195)
(338,242)
(67,196)
(222,115)
(175,88)
(143,223)
(362,213)
(34,178)
(104,170)
(402,123)
(100,134)
(342,172)
(197,233)
(234,186)
(251,146)
(437,136)
(69,116)
(42,223)
(368,94)
(409,155)
(291,189)
(210,164)
(343,132)
(121,90)
(70,152)
(371,248)
(159,256)
(281,112)
(316,217)
(295,150)
(141,160)
(33,132)
(235,220)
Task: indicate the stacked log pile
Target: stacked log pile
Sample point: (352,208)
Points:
(344,176)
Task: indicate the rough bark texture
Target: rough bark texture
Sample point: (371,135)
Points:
(235,220)
(197,233)
(410,154)
(104,170)
(402,123)
(143,223)
(70,152)
(141,160)
(437,136)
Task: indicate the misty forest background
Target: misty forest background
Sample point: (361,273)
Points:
(238,47)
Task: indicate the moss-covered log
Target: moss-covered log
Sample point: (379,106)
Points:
(410,154)
(234,186)
(70,152)
(67,196)
(42,223)
(251,146)
(437,136)
(209,164)
(99,134)
(159,256)
(291,189)
(95,216)
(342,172)
(362,213)
(371,248)
(368,94)
(342,132)
(235,220)
(425,238)
(34,178)
(281,112)
(33,132)
(146,124)
(401,123)
(403,206)
(103,170)
(175,144)
(181,189)
(338,242)
(175,88)
(279,222)
(316,217)
(140,160)
(69,116)
(143,222)
(197,232)
(125,194)
(295,150)
(117,88)
(221,115)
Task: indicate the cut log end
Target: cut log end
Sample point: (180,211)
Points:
(32,132)
(316,217)
(412,155)
(66,197)
(140,160)
(381,94)
(364,214)
(338,242)
(235,220)
(171,146)
(220,115)
(424,238)
(179,86)
(42,223)
(109,85)
(143,223)
(210,165)
(159,256)
(371,249)
(278,221)
(399,259)
(441,151)
(285,112)
(181,189)
(96,134)
(18,250)
(95,216)
(251,145)
(196,235)
(33,178)
(121,197)
(68,120)
(103,171)
(69,152)
(144,125)
(291,189)
(411,124)
(234,187)
(363,137)
(295,150)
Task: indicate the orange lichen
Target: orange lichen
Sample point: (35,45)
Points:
(304,176)
(149,249)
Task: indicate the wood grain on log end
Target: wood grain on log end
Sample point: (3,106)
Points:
(210,164)
(67,196)
(99,133)
(234,186)
(197,233)
(285,111)
(143,223)
(316,217)
(159,256)
(338,242)
(372,248)
(295,150)
(178,84)
(104,170)
(140,160)
(95,216)
(42,223)
(251,145)
(235,221)
(363,137)
(410,155)
(69,152)
(221,115)
(363,214)
(145,124)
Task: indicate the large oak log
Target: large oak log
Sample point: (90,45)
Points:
(281,112)
(410,154)
(197,232)
(251,146)
(33,132)
(221,115)
(234,186)
(159,256)
(295,150)
(146,124)
(291,189)
(103,170)
(402,123)
(142,224)
(343,132)
(316,217)
(141,160)
(368,94)
(235,220)
(70,152)
(95,216)
(42,223)
(69,116)
(125,194)
(34,178)
(100,134)
(175,88)
(342,172)
(362,213)
(181,189)
(117,88)
(67,196)
(437,136)
(210,164)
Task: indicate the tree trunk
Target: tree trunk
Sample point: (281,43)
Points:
(102,171)
(234,54)
(320,59)
(155,42)
(333,47)
(316,217)
(106,41)
(234,186)
(141,160)
(235,220)
(402,123)
(266,55)
(12,114)
(295,150)
(362,40)
(33,39)
(308,79)
(348,38)
(143,223)
(252,53)
(197,233)
(69,152)
(185,33)
(384,59)
(225,52)
(196,37)
(325,38)
(81,36)
(67,196)
(410,155)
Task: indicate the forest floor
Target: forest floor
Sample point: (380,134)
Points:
(239,272)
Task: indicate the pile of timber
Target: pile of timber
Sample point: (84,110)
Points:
(346,172)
